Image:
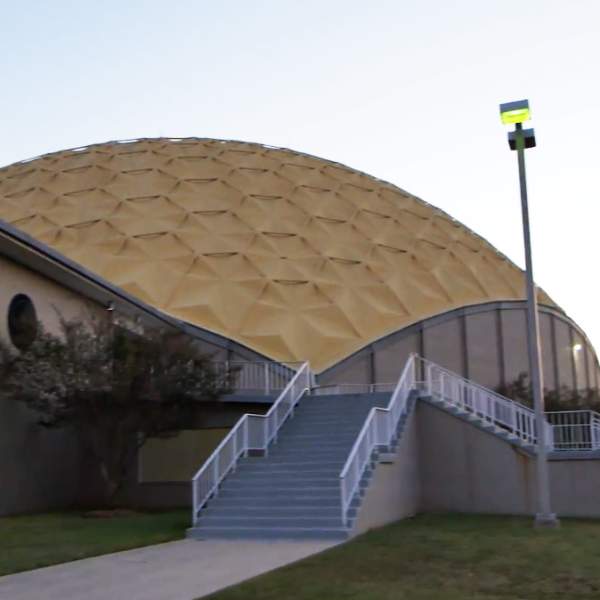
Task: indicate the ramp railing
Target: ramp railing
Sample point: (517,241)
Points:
(575,430)
(251,432)
(259,377)
(490,407)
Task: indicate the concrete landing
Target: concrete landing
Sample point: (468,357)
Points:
(182,570)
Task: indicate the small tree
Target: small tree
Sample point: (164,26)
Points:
(114,388)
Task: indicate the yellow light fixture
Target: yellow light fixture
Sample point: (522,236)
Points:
(515,112)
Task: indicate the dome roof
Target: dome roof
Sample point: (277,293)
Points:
(291,255)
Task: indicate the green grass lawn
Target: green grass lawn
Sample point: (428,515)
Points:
(448,557)
(32,541)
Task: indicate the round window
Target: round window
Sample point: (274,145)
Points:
(22,321)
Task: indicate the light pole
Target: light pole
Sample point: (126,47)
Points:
(519,140)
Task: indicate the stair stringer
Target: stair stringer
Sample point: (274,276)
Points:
(481,424)
(392,488)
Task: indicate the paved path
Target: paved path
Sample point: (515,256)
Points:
(182,570)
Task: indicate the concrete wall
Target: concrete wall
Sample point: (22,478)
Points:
(466,469)
(575,487)
(395,489)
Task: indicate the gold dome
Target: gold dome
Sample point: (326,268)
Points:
(291,255)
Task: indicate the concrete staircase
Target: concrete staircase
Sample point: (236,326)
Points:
(294,492)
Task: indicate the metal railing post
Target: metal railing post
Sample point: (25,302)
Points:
(234,453)
(194,501)
(267,382)
(513,416)
(266,436)
(216,475)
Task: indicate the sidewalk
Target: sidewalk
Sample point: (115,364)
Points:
(182,570)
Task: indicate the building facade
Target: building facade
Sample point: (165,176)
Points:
(260,254)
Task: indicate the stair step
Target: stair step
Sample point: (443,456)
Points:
(270,479)
(269,470)
(294,533)
(313,484)
(328,405)
(252,521)
(276,455)
(335,419)
(322,429)
(275,501)
(332,440)
(286,491)
(265,464)
(319,402)
(288,511)
(323,443)
(309,439)
(310,452)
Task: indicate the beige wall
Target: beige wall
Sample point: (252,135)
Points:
(442,344)
(354,370)
(579,362)
(466,469)
(391,355)
(547,343)
(483,356)
(564,354)
(39,469)
(591,368)
(178,458)
(514,328)
(47,297)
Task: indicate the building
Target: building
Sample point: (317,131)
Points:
(262,254)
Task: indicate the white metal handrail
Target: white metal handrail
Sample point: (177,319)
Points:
(575,430)
(378,430)
(489,406)
(262,377)
(251,432)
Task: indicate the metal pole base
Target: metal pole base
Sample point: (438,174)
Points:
(546,521)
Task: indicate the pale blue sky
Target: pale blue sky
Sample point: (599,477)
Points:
(407,91)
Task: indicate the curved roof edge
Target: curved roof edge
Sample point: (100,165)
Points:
(269,146)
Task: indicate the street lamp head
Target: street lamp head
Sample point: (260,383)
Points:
(528,136)
(515,112)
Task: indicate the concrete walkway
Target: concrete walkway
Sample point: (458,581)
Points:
(182,570)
